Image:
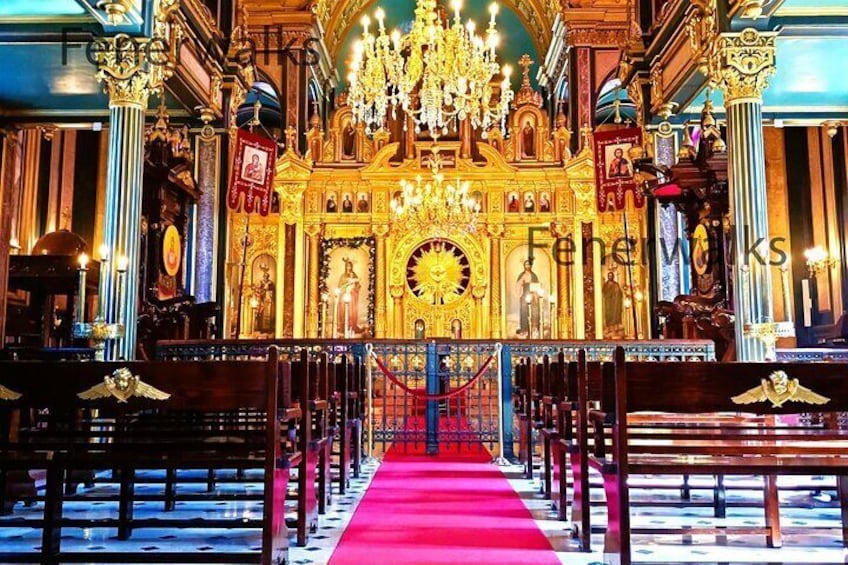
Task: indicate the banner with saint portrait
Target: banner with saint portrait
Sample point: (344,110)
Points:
(614,170)
(252,172)
(347,288)
(528,280)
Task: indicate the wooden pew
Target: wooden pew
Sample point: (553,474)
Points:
(765,389)
(553,385)
(102,418)
(305,379)
(528,400)
(345,420)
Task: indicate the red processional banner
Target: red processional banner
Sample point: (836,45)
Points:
(253,172)
(614,170)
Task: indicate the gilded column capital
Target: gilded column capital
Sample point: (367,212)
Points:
(312,230)
(380,230)
(128,70)
(743,63)
(495,230)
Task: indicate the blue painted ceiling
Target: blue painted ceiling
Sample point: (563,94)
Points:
(32,8)
(810,79)
(515,40)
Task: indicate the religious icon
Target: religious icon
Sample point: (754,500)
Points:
(529,202)
(528,278)
(362,203)
(171,251)
(347,203)
(528,299)
(619,165)
(348,141)
(347,313)
(264,293)
(347,280)
(456,329)
(332,205)
(512,202)
(477,196)
(253,169)
(613,302)
(528,140)
(544,203)
(419,329)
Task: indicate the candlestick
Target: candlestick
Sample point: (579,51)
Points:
(323,332)
(83,264)
(552,315)
(101,286)
(347,315)
(787,302)
(122,265)
(336,294)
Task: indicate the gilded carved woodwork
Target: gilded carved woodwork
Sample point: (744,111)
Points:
(743,64)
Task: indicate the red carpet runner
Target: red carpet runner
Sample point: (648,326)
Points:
(454,508)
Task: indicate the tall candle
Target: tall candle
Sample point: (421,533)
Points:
(122,265)
(335,312)
(529,316)
(101,287)
(552,314)
(347,315)
(83,269)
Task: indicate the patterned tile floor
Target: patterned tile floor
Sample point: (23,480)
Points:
(657,508)
(652,508)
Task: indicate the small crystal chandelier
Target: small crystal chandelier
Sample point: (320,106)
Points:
(439,73)
(436,206)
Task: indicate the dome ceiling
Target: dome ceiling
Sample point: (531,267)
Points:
(339,18)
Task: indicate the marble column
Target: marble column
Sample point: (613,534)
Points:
(129,80)
(208,179)
(745,61)
(668,232)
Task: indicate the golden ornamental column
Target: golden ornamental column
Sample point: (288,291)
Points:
(129,77)
(496,294)
(313,235)
(741,64)
(381,231)
(398,330)
(562,257)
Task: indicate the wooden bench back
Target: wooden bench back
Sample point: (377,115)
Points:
(694,388)
(192,386)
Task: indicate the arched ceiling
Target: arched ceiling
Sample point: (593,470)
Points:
(338,17)
(516,37)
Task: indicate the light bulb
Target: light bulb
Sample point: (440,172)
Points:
(123,263)
(103,250)
(83,260)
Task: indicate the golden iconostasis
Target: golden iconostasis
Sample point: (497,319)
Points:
(540,261)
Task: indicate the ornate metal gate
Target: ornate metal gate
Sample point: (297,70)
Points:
(435,393)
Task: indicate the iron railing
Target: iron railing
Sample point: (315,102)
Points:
(434,368)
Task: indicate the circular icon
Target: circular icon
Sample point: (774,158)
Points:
(171,251)
(701,249)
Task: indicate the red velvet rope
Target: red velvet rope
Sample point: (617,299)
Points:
(424,395)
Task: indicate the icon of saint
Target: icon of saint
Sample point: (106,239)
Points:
(620,166)
(524,285)
(253,170)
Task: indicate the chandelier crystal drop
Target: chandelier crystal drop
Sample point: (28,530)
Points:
(440,73)
(436,206)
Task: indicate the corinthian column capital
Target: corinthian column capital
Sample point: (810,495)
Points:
(128,69)
(743,63)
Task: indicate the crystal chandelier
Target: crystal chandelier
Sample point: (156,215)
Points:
(439,73)
(436,206)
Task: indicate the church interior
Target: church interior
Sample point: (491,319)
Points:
(423,281)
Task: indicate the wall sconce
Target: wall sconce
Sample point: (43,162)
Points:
(818,260)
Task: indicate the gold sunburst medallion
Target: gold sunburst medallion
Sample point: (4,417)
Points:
(438,274)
